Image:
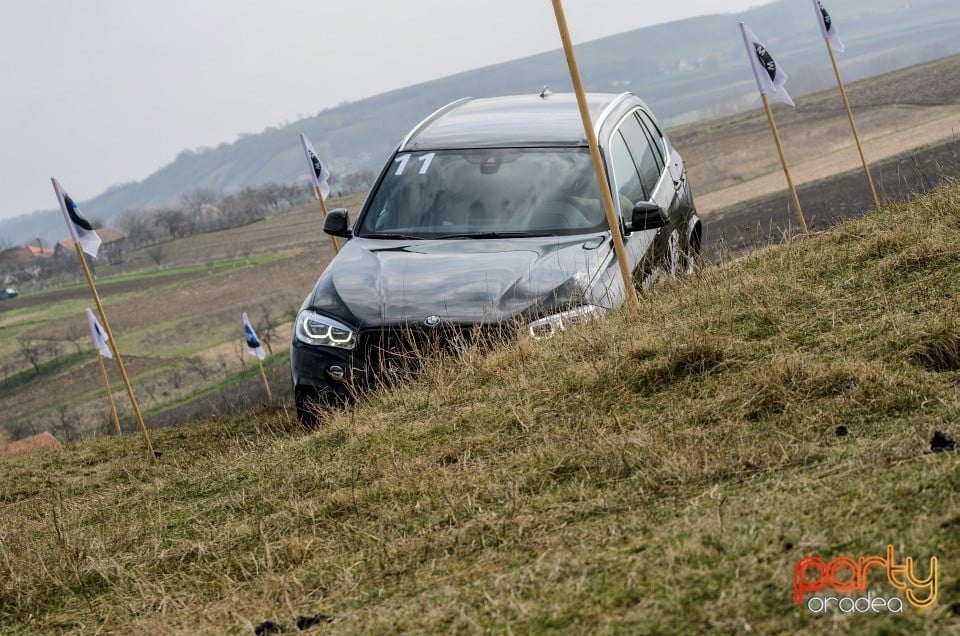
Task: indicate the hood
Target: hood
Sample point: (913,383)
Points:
(468,281)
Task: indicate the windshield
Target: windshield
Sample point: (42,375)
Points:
(486,193)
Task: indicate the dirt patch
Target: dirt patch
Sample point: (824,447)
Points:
(30,444)
(876,149)
(767,219)
(895,112)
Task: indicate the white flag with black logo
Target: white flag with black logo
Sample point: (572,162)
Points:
(770,77)
(319,174)
(99,335)
(253,343)
(80,229)
(827,27)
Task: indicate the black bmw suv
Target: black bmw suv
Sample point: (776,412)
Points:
(486,218)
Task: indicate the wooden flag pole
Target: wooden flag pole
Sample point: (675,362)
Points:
(113,405)
(323,208)
(853,124)
(630,290)
(263,374)
(116,353)
(783,162)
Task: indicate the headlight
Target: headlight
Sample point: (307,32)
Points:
(547,327)
(321,331)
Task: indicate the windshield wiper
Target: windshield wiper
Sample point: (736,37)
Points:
(493,235)
(393,237)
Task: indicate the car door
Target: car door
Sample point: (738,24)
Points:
(648,249)
(683,198)
(627,188)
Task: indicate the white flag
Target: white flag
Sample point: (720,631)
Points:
(253,344)
(827,27)
(80,229)
(320,175)
(99,335)
(770,77)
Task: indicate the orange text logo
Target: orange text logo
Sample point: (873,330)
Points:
(845,574)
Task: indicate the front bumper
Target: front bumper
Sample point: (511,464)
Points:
(382,356)
(324,372)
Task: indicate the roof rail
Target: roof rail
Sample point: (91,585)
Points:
(430,119)
(606,111)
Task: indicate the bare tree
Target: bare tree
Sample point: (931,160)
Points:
(293,194)
(241,349)
(222,363)
(157,253)
(176,379)
(267,327)
(137,226)
(251,205)
(200,367)
(192,201)
(270,195)
(67,425)
(355,181)
(33,352)
(174,221)
(75,332)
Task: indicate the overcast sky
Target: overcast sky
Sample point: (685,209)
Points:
(99,92)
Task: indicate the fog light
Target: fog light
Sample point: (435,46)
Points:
(336,372)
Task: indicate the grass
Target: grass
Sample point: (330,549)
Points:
(654,473)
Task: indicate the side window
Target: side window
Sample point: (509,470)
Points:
(629,187)
(656,137)
(647,158)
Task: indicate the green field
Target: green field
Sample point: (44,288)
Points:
(657,472)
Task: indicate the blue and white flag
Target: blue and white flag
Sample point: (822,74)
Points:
(99,335)
(319,174)
(827,27)
(80,229)
(253,343)
(770,77)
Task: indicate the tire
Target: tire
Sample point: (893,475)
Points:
(674,258)
(308,405)
(692,255)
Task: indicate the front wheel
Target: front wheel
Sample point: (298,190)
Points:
(308,405)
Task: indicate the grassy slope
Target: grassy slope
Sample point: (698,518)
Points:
(655,473)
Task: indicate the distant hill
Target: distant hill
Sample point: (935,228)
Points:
(687,71)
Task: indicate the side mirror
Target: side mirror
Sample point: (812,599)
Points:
(647,216)
(337,223)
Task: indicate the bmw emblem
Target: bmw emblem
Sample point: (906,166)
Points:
(432,321)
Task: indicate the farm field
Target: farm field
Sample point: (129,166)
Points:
(733,159)
(178,323)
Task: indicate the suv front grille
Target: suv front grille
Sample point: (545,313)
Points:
(406,348)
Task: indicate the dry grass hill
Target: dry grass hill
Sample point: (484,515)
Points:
(656,473)
(661,472)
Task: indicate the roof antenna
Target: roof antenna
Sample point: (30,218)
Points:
(546,92)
